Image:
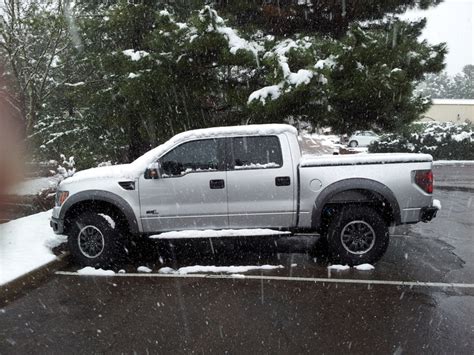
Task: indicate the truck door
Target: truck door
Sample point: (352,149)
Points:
(260,183)
(191,192)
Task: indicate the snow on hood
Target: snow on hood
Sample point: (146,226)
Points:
(137,167)
(115,171)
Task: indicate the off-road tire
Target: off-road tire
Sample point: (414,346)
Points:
(364,221)
(107,233)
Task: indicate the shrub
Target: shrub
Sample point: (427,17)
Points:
(443,140)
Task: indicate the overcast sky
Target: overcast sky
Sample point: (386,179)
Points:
(451,22)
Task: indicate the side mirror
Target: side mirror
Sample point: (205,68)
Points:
(153,171)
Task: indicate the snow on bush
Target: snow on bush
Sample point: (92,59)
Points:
(443,140)
(68,167)
(135,55)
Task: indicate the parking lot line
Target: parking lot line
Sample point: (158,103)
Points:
(284,278)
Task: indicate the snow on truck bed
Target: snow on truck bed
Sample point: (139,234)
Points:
(359,159)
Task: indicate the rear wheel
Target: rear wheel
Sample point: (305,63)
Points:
(353,144)
(357,235)
(96,240)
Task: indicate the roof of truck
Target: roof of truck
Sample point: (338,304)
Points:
(214,132)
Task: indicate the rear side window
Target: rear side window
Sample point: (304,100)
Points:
(195,156)
(256,153)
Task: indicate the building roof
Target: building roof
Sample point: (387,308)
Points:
(452,102)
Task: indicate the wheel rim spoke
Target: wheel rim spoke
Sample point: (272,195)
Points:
(358,237)
(91,242)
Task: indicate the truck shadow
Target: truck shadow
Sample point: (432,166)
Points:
(226,251)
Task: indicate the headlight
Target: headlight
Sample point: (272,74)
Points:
(61,196)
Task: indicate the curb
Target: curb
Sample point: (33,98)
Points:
(19,287)
(454,188)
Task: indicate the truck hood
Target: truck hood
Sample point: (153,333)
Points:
(119,172)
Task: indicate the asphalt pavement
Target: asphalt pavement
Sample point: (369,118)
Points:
(418,299)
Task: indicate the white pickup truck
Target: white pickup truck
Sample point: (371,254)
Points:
(245,177)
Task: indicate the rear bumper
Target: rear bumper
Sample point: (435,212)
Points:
(57,225)
(428,213)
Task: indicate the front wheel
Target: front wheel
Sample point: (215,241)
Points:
(353,144)
(357,235)
(95,240)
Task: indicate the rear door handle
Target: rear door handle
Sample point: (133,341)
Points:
(282,181)
(216,184)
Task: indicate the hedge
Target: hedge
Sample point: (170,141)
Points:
(443,140)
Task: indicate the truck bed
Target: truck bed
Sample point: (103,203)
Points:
(392,175)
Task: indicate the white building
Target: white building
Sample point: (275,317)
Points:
(450,110)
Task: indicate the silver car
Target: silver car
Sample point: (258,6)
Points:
(362,139)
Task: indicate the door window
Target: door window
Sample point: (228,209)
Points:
(256,153)
(195,156)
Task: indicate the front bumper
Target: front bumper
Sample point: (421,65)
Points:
(428,213)
(57,225)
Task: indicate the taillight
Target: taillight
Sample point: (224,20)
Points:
(424,179)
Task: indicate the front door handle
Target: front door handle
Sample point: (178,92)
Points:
(216,184)
(282,181)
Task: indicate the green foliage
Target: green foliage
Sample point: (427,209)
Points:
(129,75)
(327,17)
(442,140)
(370,78)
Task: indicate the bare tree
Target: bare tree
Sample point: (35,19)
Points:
(32,37)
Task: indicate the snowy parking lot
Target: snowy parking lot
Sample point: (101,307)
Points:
(270,296)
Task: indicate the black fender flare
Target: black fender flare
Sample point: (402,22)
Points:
(103,196)
(353,184)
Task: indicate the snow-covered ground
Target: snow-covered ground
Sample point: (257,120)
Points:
(361,267)
(217,269)
(35,186)
(338,267)
(90,271)
(233,269)
(319,144)
(25,245)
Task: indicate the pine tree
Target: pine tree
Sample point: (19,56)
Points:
(364,80)
(131,74)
